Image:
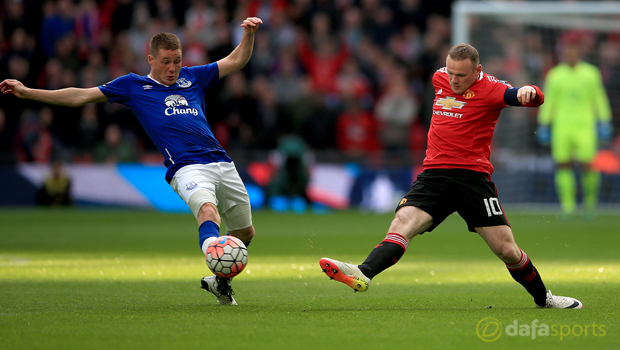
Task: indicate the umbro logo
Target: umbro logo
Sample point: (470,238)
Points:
(147,87)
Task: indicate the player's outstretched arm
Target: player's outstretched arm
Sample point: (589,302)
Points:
(528,96)
(70,97)
(240,56)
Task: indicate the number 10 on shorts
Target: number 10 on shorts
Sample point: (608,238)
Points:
(493,207)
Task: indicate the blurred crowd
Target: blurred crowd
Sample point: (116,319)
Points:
(347,76)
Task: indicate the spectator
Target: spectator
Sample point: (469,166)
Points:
(303,106)
(200,20)
(87,26)
(397,110)
(222,45)
(7,155)
(94,72)
(292,162)
(58,22)
(66,53)
(139,33)
(88,130)
(122,16)
(34,137)
(351,83)
(325,60)
(194,51)
(241,109)
(282,31)
(319,126)
(406,45)
(14,17)
(287,81)
(383,27)
(352,31)
(262,57)
(356,131)
(20,46)
(410,12)
(115,148)
(273,116)
(56,190)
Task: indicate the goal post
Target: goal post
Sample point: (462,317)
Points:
(558,14)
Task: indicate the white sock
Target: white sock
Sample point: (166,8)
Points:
(206,243)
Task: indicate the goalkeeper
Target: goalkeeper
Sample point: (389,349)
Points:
(575,116)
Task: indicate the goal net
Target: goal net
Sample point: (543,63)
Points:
(519,42)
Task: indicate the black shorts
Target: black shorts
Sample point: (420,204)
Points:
(441,192)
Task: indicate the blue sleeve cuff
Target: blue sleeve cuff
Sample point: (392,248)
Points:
(510,97)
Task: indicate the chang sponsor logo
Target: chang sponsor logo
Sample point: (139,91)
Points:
(176,105)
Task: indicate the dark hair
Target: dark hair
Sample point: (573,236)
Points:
(465,52)
(166,41)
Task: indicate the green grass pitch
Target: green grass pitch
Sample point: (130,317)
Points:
(112,279)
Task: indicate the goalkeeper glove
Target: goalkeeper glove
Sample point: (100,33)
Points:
(543,135)
(604,132)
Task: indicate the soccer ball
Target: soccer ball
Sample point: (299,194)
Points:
(227,256)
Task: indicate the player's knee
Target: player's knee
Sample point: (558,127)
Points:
(208,211)
(245,235)
(509,253)
(410,221)
(403,216)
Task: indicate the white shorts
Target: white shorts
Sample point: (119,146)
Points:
(217,183)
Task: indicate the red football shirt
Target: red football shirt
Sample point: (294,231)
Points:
(462,126)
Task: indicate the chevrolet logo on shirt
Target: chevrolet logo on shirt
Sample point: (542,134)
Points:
(449,102)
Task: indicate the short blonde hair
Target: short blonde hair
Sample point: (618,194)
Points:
(465,52)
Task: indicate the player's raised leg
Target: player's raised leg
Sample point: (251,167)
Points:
(501,241)
(408,222)
(238,221)
(209,231)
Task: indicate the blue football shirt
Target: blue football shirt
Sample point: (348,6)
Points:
(173,116)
